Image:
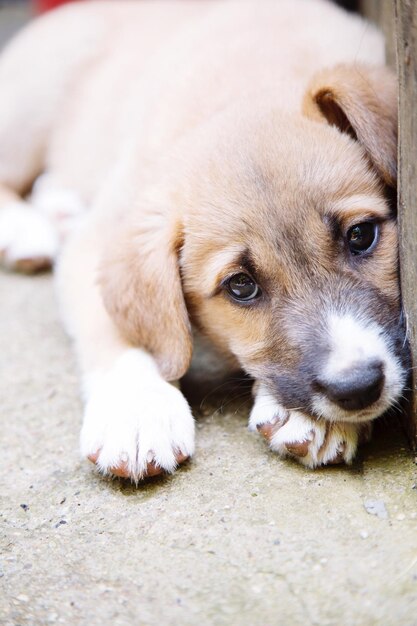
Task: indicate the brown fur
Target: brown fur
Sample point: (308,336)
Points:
(363,102)
(257,203)
(207,138)
(136,276)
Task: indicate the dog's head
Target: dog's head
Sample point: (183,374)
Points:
(282,247)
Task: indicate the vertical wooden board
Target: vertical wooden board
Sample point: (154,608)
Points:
(398,20)
(406,28)
(382,13)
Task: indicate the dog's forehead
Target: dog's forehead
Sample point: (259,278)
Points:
(302,183)
(289,204)
(281,173)
(274,191)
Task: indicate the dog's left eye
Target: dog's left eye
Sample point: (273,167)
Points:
(362,237)
(242,287)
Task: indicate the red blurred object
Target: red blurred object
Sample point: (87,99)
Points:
(45,5)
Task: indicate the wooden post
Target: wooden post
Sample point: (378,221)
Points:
(398,20)
(382,13)
(406,30)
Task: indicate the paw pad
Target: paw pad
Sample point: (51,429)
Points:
(268,429)
(299,448)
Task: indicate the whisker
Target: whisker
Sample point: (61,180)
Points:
(239,383)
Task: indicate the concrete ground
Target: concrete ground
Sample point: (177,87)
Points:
(236,538)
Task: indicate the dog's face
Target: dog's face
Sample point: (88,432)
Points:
(294,271)
(288,262)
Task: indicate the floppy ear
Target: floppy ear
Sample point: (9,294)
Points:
(141,288)
(360,100)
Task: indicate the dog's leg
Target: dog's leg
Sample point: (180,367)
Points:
(311,441)
(37,69)
(28,240)
(135,423)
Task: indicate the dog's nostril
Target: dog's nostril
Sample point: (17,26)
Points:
(359,387)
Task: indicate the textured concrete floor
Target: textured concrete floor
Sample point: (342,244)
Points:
(236,538)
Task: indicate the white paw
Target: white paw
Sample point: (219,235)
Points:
(265,410)
(28,241)
(312,442)
(136,424)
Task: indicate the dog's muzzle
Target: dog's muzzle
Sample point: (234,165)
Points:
(355,388)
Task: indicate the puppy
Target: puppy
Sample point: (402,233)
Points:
(226,165)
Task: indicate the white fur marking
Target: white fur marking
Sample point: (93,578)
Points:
(352,342)
(326,440)
(265,410)
(133,414)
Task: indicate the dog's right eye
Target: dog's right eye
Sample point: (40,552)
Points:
(242,287)
(362,237)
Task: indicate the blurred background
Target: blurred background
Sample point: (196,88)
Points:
(44,5)
(14,13)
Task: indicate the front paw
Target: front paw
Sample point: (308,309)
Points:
(311,442)
(136,426)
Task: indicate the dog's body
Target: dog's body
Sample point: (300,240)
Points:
(197,135)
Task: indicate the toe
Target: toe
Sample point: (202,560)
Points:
(340,455)
(298,448)
(153,469)
(268,429)
(181,458)
(93,457)
(122,470)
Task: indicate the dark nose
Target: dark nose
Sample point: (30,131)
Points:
(359,387)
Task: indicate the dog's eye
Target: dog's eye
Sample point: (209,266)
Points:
(242,287)
(362,237)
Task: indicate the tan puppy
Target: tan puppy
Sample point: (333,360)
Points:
(222,164)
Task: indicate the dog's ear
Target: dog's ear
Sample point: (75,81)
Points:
(141,287)
(362,101)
